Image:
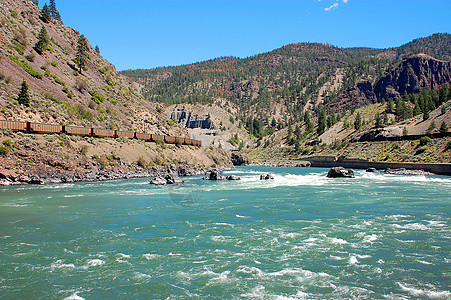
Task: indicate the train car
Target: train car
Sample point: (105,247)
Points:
(188,141)
(13,125)
(179,140)
(125,134)
(157,138)
(169,139)
(77,130)
(103,133)
(197,143)
(45,128)
(143,136)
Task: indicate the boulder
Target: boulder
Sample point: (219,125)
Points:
(339,172)
(213,175)
(172,179)
(158,181)
(233,177)
(8,174)
(266,176)
(371,170)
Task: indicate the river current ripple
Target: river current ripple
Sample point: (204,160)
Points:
(299,236)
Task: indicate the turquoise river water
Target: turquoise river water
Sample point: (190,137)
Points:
(299,236)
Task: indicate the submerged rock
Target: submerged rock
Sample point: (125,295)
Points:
(233,177)
(340,172)
(266,177)
(371,170)
(213,175)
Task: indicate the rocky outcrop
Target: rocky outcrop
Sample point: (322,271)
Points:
(158,181)
(340,172)
(168,179)
(356,96)
(233,177)
(214,175)
(412,75)
(266,177)
(239,160)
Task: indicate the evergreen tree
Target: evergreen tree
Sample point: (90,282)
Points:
(444,127)
(425,115)
(390,106)
(82,52)
(45,14)
(23,97)
(358,121)
(443,109)
(321,122)
(378,123)
(404,131)
(53,11)
(97,49)
(43,41)
(385,118)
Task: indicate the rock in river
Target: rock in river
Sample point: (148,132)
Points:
(213,175)
(233,177)
(266,177)
(338,172)
(158,181)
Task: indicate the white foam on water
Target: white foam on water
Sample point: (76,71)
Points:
(370,238)
(94,263)
(424,262)
(241,217)
(428,293)
(139,275)
(338,241)
(290,235)
(411,226)
(122,255)
(74,296)
(74,196)
(353,260)
(60,265)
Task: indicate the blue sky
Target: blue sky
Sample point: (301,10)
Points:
(151,33)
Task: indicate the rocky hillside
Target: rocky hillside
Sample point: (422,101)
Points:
(412,75)
(61,92)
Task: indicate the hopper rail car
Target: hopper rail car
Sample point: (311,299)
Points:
(38,128)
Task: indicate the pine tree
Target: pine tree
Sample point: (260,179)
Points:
(23,97)
(45,14)
(82,52)
(43,41)
(97,49)
(378,123)
(358,121)
(53,11)
(321,122)
(404,131)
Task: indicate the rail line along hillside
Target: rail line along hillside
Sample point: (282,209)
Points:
(37,128)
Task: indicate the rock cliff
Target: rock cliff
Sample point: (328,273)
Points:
(412,75)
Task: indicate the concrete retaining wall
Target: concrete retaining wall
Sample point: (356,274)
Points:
(330,161)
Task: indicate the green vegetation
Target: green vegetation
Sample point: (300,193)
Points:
(53,11)
(43,41)
(425,140)
(23,97)
(26,67)
(97,97)
(4,150)
(45,14)
(19,47)
(82,53)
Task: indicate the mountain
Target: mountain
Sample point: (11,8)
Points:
(285,82)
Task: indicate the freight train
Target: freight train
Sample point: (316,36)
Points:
(38,128)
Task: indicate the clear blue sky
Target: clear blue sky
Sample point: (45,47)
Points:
(151,33)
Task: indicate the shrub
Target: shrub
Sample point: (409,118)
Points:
(97,97)
(58,80)
(30,57)
(425,140)
(4,150)
(26,67)
(421,149)
(7,143)
(81,84)
(19,47)
(54,63)
(448,146)
(103,70)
